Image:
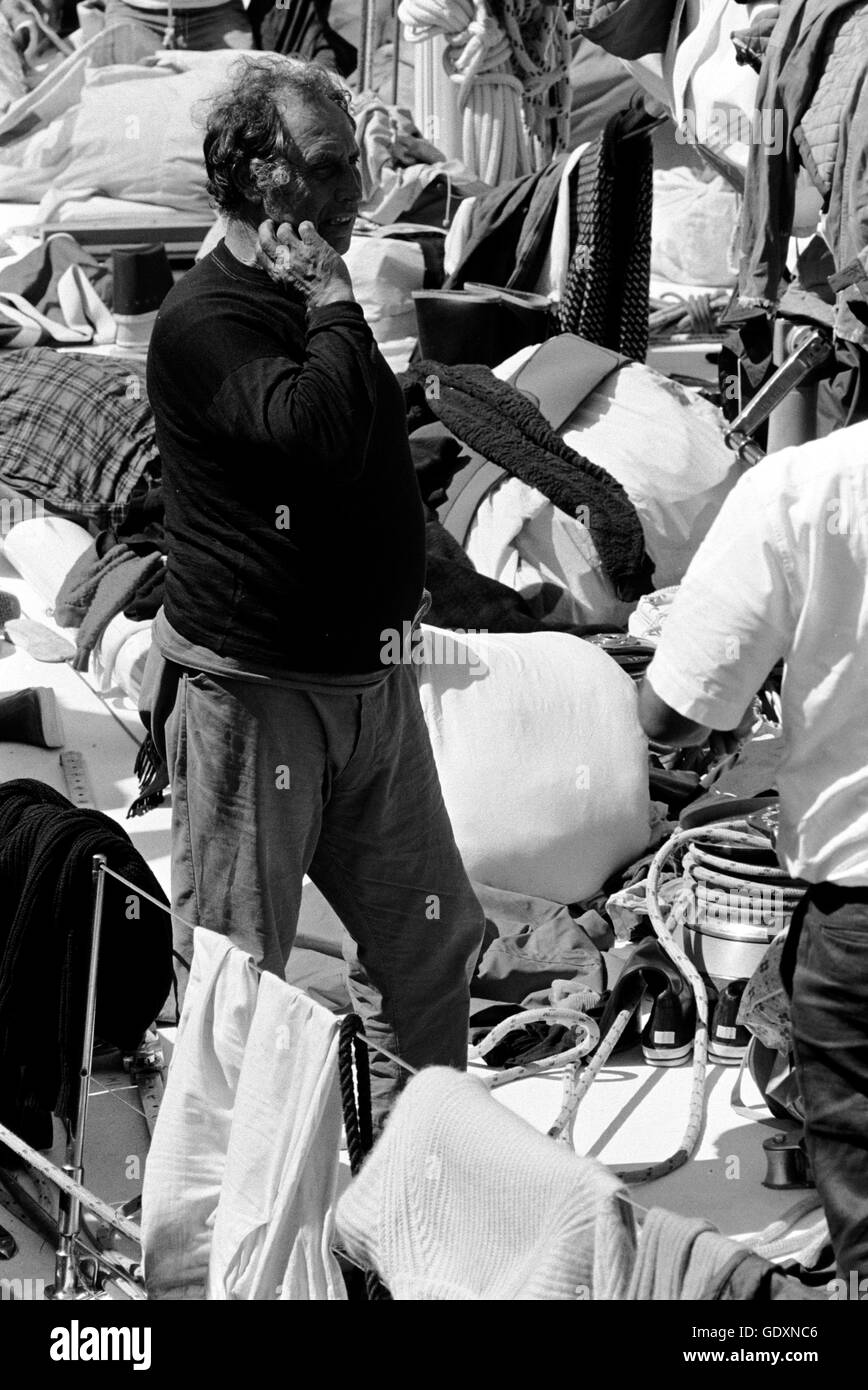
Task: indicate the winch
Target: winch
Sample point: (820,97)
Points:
(787,1162)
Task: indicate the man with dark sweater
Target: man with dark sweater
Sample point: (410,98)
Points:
(296,547)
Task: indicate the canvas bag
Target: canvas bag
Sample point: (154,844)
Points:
(765,1012)
(541,758)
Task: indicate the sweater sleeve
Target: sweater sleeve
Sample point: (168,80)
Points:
(321,409)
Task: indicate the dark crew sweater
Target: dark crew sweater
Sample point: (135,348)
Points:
(294,522)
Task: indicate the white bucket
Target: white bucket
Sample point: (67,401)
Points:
(727,946)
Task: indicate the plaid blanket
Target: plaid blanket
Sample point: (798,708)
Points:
(76,432)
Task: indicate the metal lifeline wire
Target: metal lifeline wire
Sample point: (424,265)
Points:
(197,926)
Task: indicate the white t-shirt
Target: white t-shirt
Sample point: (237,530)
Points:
(783,572)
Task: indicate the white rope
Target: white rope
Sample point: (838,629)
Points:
(513,80)
(578,1080)
(541,52)
(585,1029)
(578,1084)
(576,1087)
(804,1244)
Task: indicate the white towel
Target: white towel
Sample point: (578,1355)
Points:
(187,1157)
(273,1229)
(240,1176)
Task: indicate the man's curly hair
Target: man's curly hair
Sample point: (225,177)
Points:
(245,134)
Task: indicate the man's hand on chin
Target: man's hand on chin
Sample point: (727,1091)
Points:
(306,262)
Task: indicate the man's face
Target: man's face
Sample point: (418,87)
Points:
(326,187)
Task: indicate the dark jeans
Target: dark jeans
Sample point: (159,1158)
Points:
(830,1038)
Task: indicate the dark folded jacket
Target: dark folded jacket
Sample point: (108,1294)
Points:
(510,231)
(46,891)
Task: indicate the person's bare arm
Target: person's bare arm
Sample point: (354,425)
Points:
(662,724)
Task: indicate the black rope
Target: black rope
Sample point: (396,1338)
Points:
(354,1074)
(346,1044)
(606,293)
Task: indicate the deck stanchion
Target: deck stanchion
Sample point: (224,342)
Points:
(367,44)
(396,51)
(371,45)
(67,1284)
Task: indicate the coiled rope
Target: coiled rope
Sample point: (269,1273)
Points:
(513,79)
(579,1079)
(584,1029)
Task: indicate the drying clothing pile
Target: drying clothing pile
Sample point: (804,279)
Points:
(512,72)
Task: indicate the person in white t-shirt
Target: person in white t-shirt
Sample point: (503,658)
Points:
(783,573)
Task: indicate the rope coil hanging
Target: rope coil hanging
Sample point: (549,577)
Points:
(354,1076)
(512,76)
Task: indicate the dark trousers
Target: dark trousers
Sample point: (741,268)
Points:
(270,783)
(829,964)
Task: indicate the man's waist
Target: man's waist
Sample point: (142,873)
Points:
(193,657)
(336,643)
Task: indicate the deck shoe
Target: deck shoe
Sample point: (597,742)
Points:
(31,716)
(667,1038)
(728,1039)
(650,974)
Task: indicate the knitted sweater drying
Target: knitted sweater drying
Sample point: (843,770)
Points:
(462,1200)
